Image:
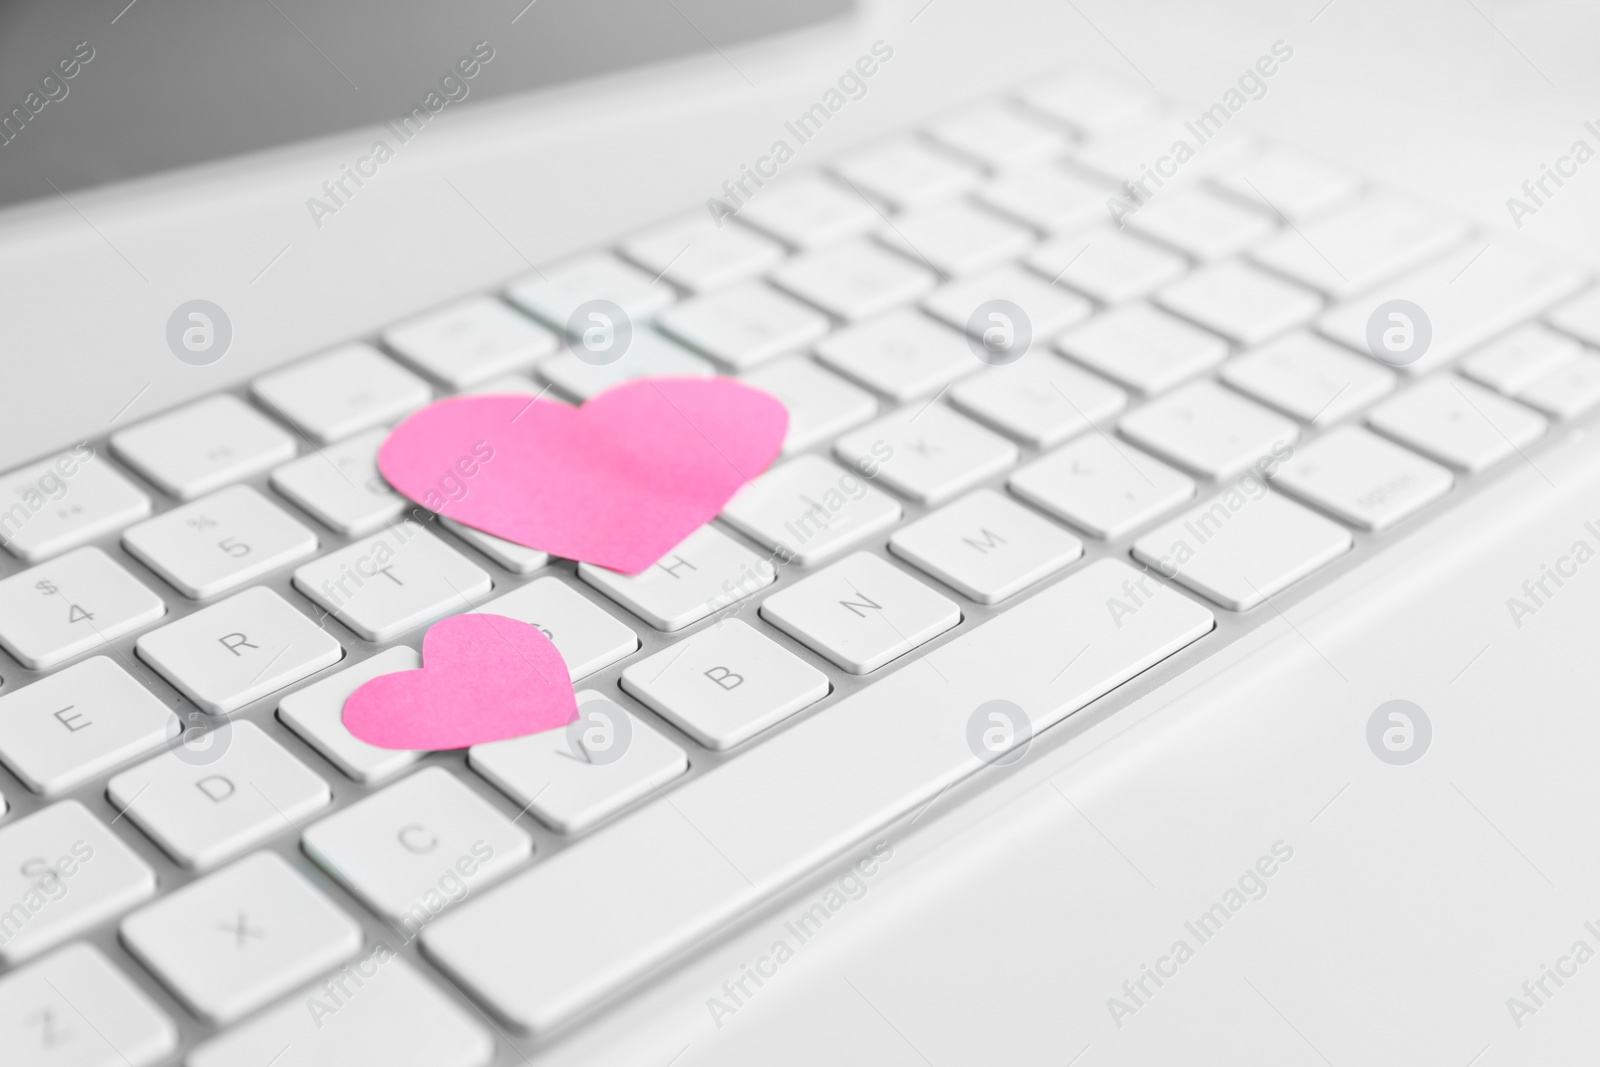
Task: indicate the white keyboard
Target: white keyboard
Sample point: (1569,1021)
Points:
(197,860)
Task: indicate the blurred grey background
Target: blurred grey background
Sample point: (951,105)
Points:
(195,80)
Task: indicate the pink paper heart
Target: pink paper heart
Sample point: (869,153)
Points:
(617,482)
(483,678)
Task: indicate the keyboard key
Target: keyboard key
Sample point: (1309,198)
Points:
(224,656)
(855,280)
(1243,304)
(587,637)
(749,827)
(1512,363)
(934,453)
(514,384)
(809,211)
(1107,264)
(904,354)
(649,355)
(1242,547)
(570,785)
(75,725)
(417,847)
(1291,183)
(342,392)
(1049,308)
(1468,304)
(1201,224)
(906,173)
(554,294)
(341,487)
(986,546)
(1356,247)
(518,559)
(60,503)
(957,238)
(1091,105)
(203,813)
(1457,423)
(74,1009)
(1144,349)
(1102,487)
(470,341)
(699,254)
(1570,391)
(860,613)
(1040,400)
(316,714)
(1048,198)
(1144,159)
(808,509)
(821,405)
(74,603)
(705,573)
(384,585)
(745,325)
(997,136)
(1579,317)
(399,1020)
(240,938)
(1359,477)
(1210,431)
(67,873)
(204,446)
(725,684)
(213,545)
(1304,376)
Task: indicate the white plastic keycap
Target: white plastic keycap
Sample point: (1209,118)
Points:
(1522,357)
(557,292)
(809,211)
(1100,486)
(1211,431)
(1142,348)
(649,355)
(224,656)
(986,546)
(316,713)
(1201,224)
(957,238)
(1291,183)
(203,446)
(470,341)
(572,778)
(352,388)
(703,574)
(1109,264)
(1242,546)
(745,325)
(927,452)
(860,612)
(1458,423)
(725,684)
(518,559)
(1041,399)
(1359,477)
(62,872)
(1569,392)
(63,502)
(1358,246)
(588,638)
(906,172)
(240,938)
(1309,378)
(808,509)
(341,487)
(205,809)
(219,543)
(698,254)
(418,846)
(383,585)
(904,354)
(393,1016)
(73,604)
(75,1009)
(821,405)
(1242,303)
(1047,197)
(76,724)
(855,280)
(1049,308)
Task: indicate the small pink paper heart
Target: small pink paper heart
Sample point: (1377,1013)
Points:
(483,678)
(617,482)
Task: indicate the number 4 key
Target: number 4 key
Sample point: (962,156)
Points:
(71,605)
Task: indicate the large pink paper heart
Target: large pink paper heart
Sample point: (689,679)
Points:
(483,678)
(617,482)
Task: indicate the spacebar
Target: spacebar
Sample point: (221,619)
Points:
(567,932)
